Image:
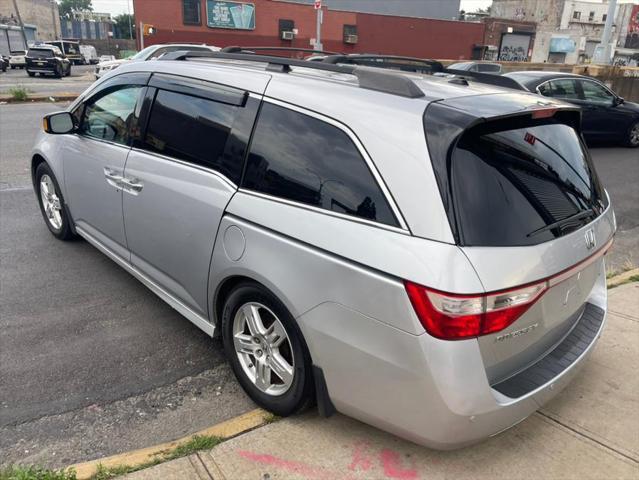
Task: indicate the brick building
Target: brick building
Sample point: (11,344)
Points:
(292,24)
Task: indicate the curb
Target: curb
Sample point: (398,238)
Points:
(622,278)
(225,430)
(63,97)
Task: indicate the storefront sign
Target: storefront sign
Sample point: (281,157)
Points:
(235,15)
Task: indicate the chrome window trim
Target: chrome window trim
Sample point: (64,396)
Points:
(367,159)
(202,168)
(323,211)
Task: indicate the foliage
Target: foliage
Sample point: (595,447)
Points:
(69,6)
(125,24)
(35,473)
(19,93)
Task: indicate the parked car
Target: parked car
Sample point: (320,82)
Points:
(481,67)
(17,59)
(106,58)
(71,49)
(49,60)
(152,52)
(4,63)
(607,117)
(89,54)
(423,254)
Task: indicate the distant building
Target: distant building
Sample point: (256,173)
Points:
(86,25)
(400,27)
(566,31)
(41,21)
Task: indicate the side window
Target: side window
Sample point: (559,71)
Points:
(560,89)
(595,93)
(192,129)
(158,53)
(112,116)
(300,158)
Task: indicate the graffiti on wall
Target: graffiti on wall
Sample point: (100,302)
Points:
(514,48)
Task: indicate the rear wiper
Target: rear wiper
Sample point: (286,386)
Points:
(577,216)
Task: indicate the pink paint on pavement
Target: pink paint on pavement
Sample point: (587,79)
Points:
(361,459)
(391,463)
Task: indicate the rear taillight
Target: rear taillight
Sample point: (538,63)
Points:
(452,317)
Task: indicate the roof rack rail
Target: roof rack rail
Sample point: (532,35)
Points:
(235,49)
(487,78)
(410,64)
(368,78)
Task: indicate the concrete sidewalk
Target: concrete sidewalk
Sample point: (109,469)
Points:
(590,431)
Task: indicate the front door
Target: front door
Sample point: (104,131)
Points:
(94,161)
(181,180)
(600,118)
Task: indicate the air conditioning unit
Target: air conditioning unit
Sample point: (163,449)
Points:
(350,39)
(287,35)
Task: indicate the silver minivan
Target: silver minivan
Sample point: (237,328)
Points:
(423,254)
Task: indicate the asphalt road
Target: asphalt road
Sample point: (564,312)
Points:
(81,77)
(91,362)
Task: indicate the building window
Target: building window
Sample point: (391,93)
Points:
(576,15)
(286,28)
(191,12)
(591,16)
(604,17)
(350,34)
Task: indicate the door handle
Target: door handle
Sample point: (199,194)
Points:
(132,185)
(113,178)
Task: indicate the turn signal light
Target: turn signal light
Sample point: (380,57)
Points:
(453,317)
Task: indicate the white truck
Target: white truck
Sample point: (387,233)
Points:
(89,54)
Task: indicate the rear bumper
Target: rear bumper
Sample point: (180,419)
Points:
(433,392)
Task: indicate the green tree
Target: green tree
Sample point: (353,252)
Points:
(68,6)
(125,24)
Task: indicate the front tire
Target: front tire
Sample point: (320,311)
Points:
(31,74)
(266,350)
(52,203)
(633,135)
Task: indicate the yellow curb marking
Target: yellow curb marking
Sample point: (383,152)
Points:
(227,429)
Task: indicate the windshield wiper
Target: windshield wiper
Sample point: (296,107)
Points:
(577,216)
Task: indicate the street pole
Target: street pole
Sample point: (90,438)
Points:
(604,53)
(55,25)
(24,35)
(318,34)
(128,6)
(141,35)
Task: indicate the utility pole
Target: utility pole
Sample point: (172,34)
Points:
(128,6)
(141,35)
(603,53)
(55,25)
(318,34)
(24,35)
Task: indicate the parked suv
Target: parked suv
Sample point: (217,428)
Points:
(47,59)
(423,254)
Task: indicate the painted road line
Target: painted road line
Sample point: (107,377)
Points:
(225,430)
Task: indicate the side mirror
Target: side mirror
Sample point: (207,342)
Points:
(618,101)
(58,123)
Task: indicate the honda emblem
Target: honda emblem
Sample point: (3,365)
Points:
(591,241)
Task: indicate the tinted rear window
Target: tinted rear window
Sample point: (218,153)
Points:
(522,187)
(40,53)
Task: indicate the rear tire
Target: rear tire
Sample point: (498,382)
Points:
(632,140)
(31,74)
(52,204)
(58,71)
(271,342)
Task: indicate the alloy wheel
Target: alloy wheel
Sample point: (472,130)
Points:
(263,348)
(50,202)
(634,135)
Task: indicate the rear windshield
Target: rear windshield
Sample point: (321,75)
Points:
(41,53)
(523,186)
